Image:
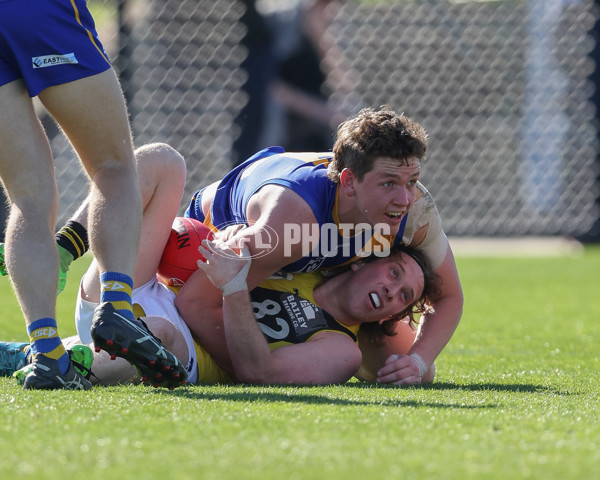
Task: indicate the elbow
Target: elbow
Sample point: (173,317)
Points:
(460,302)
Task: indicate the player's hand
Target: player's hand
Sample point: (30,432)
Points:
(230,232)
(226,269)
(400,370)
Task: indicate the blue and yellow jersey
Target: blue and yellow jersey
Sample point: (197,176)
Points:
(306,175)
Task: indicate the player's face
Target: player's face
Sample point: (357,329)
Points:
(384,287)
(387,191)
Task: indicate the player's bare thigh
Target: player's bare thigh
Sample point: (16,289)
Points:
(26,164)
(96,123)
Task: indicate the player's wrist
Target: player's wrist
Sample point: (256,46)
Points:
(421,364)
(236,284)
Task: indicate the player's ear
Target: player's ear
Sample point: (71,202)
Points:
(348,182)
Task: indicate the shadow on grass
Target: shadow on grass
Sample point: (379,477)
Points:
(360,393)
(498,387)
(306,398)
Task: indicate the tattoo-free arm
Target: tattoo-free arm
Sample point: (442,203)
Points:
(329,357)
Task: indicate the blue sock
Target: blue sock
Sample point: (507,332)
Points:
(29,353)
(116,289)
(44,338)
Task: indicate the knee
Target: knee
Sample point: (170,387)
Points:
(162,329)
(38,205)
(160,155)
(160,163)
(171,338)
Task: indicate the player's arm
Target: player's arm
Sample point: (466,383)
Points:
(269,211)
(328,358)
(435,330)
(277,217)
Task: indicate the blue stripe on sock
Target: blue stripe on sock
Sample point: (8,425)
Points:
(114,296)
(45,345)
(116,277)
(41,323)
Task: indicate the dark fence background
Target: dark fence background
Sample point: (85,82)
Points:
(508,91)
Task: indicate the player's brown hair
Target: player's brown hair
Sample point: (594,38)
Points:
(375,133)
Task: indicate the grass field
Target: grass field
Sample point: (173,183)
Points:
(516,397)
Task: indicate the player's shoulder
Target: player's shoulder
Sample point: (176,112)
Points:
(424,203)
(422,192)
(301,284)
(423,212)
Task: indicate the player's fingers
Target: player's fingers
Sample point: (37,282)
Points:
(399,370)
(202,265)
(392,372)
(205,250)
(392,358)
(407,381)
(399,377)
(218,248)
(229,232)
(393,363)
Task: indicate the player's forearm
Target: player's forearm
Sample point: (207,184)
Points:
(437,328)
(248,349)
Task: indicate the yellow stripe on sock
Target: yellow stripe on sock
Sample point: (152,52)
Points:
(114,286)
(70,234)
(122,305)
(56,353)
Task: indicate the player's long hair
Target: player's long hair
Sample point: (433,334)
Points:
(374,332)
(372,134)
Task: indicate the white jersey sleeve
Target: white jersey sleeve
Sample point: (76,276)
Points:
(424,213)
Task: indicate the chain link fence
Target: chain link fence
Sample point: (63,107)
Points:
(504,89)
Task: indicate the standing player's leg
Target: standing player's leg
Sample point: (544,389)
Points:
(162,177)
(27,171)
(98,128)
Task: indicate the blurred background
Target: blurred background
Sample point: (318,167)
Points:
(508,91)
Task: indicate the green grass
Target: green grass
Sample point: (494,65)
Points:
(516,397)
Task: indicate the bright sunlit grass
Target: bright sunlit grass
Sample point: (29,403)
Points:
(516,397)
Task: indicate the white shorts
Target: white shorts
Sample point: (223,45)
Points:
(157,301)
